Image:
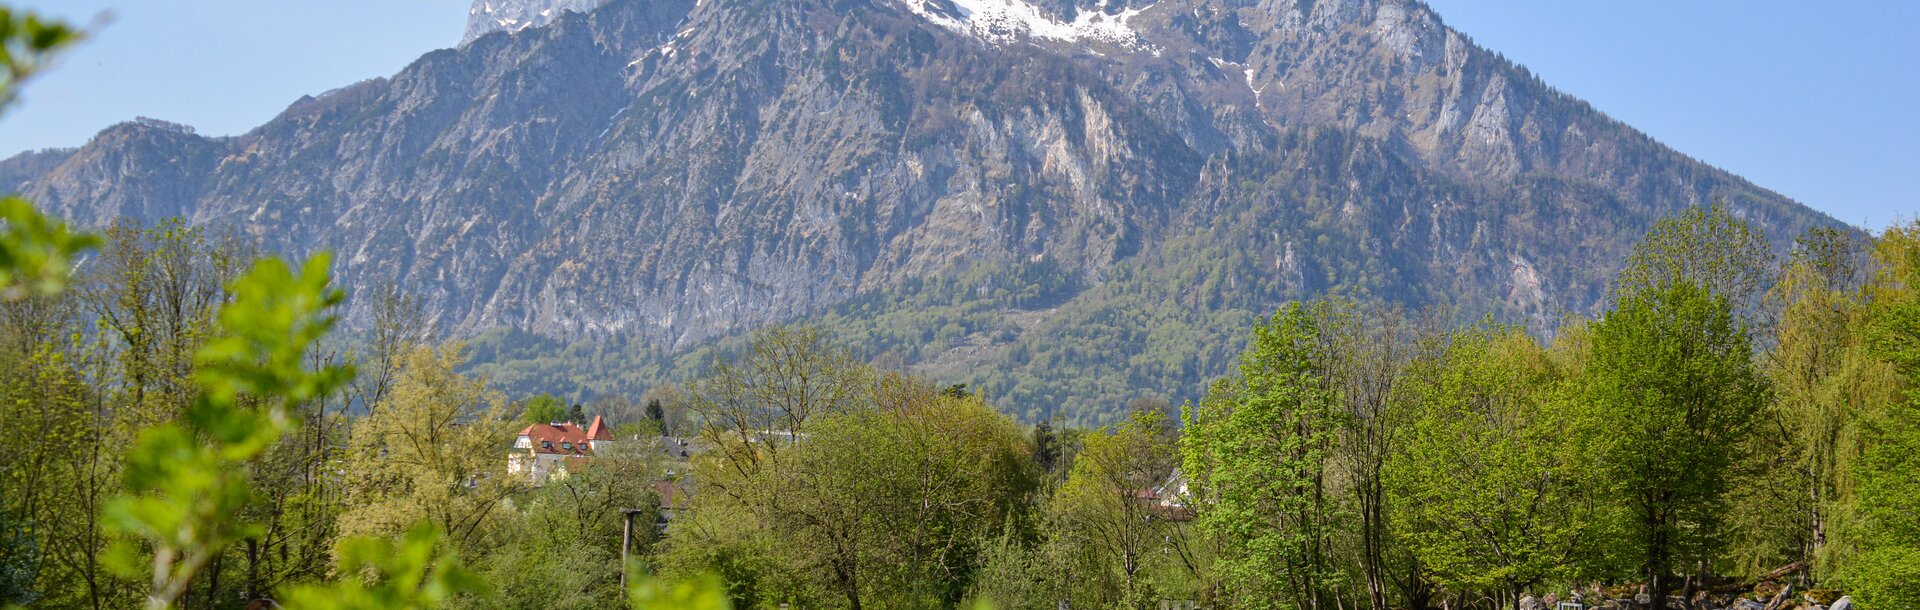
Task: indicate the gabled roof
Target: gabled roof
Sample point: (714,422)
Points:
(599,431)
(566,438)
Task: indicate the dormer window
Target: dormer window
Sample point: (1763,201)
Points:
(546,444)
(566,446)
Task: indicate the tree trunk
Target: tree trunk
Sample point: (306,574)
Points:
(253,569)
(1376,572)
(1657,588)
(1419,595)
(849,585)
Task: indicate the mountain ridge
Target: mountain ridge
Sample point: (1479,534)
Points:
(671,173)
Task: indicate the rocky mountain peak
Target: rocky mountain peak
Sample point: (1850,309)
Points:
(489,16)
(661,175)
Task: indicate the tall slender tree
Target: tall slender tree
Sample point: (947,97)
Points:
(1109,506)
(1257,451)
(1886,571)
(1368,352)
(1798,477)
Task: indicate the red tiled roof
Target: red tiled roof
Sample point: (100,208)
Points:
(566,438)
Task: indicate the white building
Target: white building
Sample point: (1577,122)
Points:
(544,450)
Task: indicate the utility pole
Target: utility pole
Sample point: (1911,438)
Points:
(626,543)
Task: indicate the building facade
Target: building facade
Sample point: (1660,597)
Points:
(544,451)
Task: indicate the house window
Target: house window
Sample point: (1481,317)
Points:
(546,444)
(566,446)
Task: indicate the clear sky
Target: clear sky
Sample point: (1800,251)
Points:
(222,66)
(1817,100)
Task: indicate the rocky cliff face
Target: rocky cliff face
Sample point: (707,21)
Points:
(665,172)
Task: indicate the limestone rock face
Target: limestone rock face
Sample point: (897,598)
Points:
(671,171)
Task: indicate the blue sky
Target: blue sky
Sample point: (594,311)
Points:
(1817,100)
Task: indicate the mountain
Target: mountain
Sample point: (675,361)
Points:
(1066,203)
(489,16)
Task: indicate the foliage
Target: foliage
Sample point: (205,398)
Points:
(824,482)
(35,252)
(415,574)
(432,450)
(1799,484)
(846,488)
(1107,512)
(19,562)
(182,478)
(544,408)
(702,593)
(1257,451)
(538,569)
(1371,355)
(1709,247)
(561,542)
(1013,575)
(27,41)
(1487,494)
(1672,389)
(1888,532)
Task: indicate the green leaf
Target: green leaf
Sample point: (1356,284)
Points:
(416,574)
(703,593)
(36,253)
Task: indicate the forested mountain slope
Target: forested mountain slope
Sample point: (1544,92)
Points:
(1067,203)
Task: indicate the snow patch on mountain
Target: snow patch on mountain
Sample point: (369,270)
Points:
(489,16)
(1006,21)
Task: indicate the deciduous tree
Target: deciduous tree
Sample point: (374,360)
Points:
(1257,450)
(1672,391)
(1486,495)
(434,450)
(1886,573)
(1109,508)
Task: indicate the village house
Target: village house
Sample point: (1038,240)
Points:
(544,451)
(1170,498)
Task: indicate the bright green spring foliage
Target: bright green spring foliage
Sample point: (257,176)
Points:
(35,252)
(1797,505)
(1257,453)
(392,480)
(380,575)
(1120,538)
(185,481)
(1709,247)
(36,257)
(703,593)
(1671,389)
(1486,493)
(545,408)
(1886,573)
